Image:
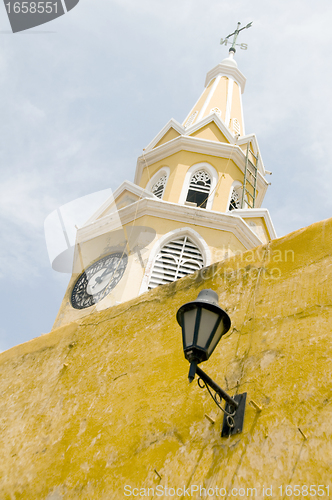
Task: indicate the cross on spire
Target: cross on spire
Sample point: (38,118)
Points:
(236,34)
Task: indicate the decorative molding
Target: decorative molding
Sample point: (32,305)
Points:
(172,211)
(236,126)
(257,212)
(204,146)
(191,119)
(190,130)
(216,111)
(226,70)
(218,122)
(213,117)
(125,186)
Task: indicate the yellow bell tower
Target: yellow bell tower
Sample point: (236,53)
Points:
(196,199)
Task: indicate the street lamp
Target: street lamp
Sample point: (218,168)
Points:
(203,324)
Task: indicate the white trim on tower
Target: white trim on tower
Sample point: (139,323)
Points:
(208,99)
(229,101)
(243,127)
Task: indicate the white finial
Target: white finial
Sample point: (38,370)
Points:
(229,61)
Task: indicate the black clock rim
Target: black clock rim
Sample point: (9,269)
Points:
(124,258)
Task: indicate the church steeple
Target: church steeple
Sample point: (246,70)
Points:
(224,85)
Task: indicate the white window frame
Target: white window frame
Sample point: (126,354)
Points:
(214,179)
(172,235)
(161,172)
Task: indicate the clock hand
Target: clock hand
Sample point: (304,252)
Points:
(107,271)
(102,277)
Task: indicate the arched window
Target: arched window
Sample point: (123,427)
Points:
(157,183)
(175,259)
(199,188)
(235,197)
(205,183)
(235,200)
(159,187)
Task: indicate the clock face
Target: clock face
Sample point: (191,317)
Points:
(98,280)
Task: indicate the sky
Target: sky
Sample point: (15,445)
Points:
(82,96)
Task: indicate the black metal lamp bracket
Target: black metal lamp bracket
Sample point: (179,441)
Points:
(234,408)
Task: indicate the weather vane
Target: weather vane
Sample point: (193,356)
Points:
(226,40)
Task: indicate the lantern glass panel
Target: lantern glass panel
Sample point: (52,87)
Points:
(218,334)
(188,326)
(207,324)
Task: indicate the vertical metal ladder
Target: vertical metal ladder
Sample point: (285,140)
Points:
(250,180)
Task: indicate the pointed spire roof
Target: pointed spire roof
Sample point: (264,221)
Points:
(224,85)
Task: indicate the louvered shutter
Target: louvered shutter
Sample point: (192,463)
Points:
(175,260)
(236,126)
(191,119)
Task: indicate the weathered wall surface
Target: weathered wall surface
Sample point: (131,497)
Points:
(105,402)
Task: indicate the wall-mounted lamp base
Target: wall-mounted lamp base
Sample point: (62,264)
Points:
(237,419)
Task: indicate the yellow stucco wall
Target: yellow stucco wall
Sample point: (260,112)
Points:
(170,134)
(200,103)
(104,402)
(210,132)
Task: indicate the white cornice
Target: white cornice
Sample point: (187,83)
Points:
(125,186)
(213,117)
(257,212)
(132,188)
(204,146)
(171,211)
(225,70)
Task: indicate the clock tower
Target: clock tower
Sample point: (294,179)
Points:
(196,199)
